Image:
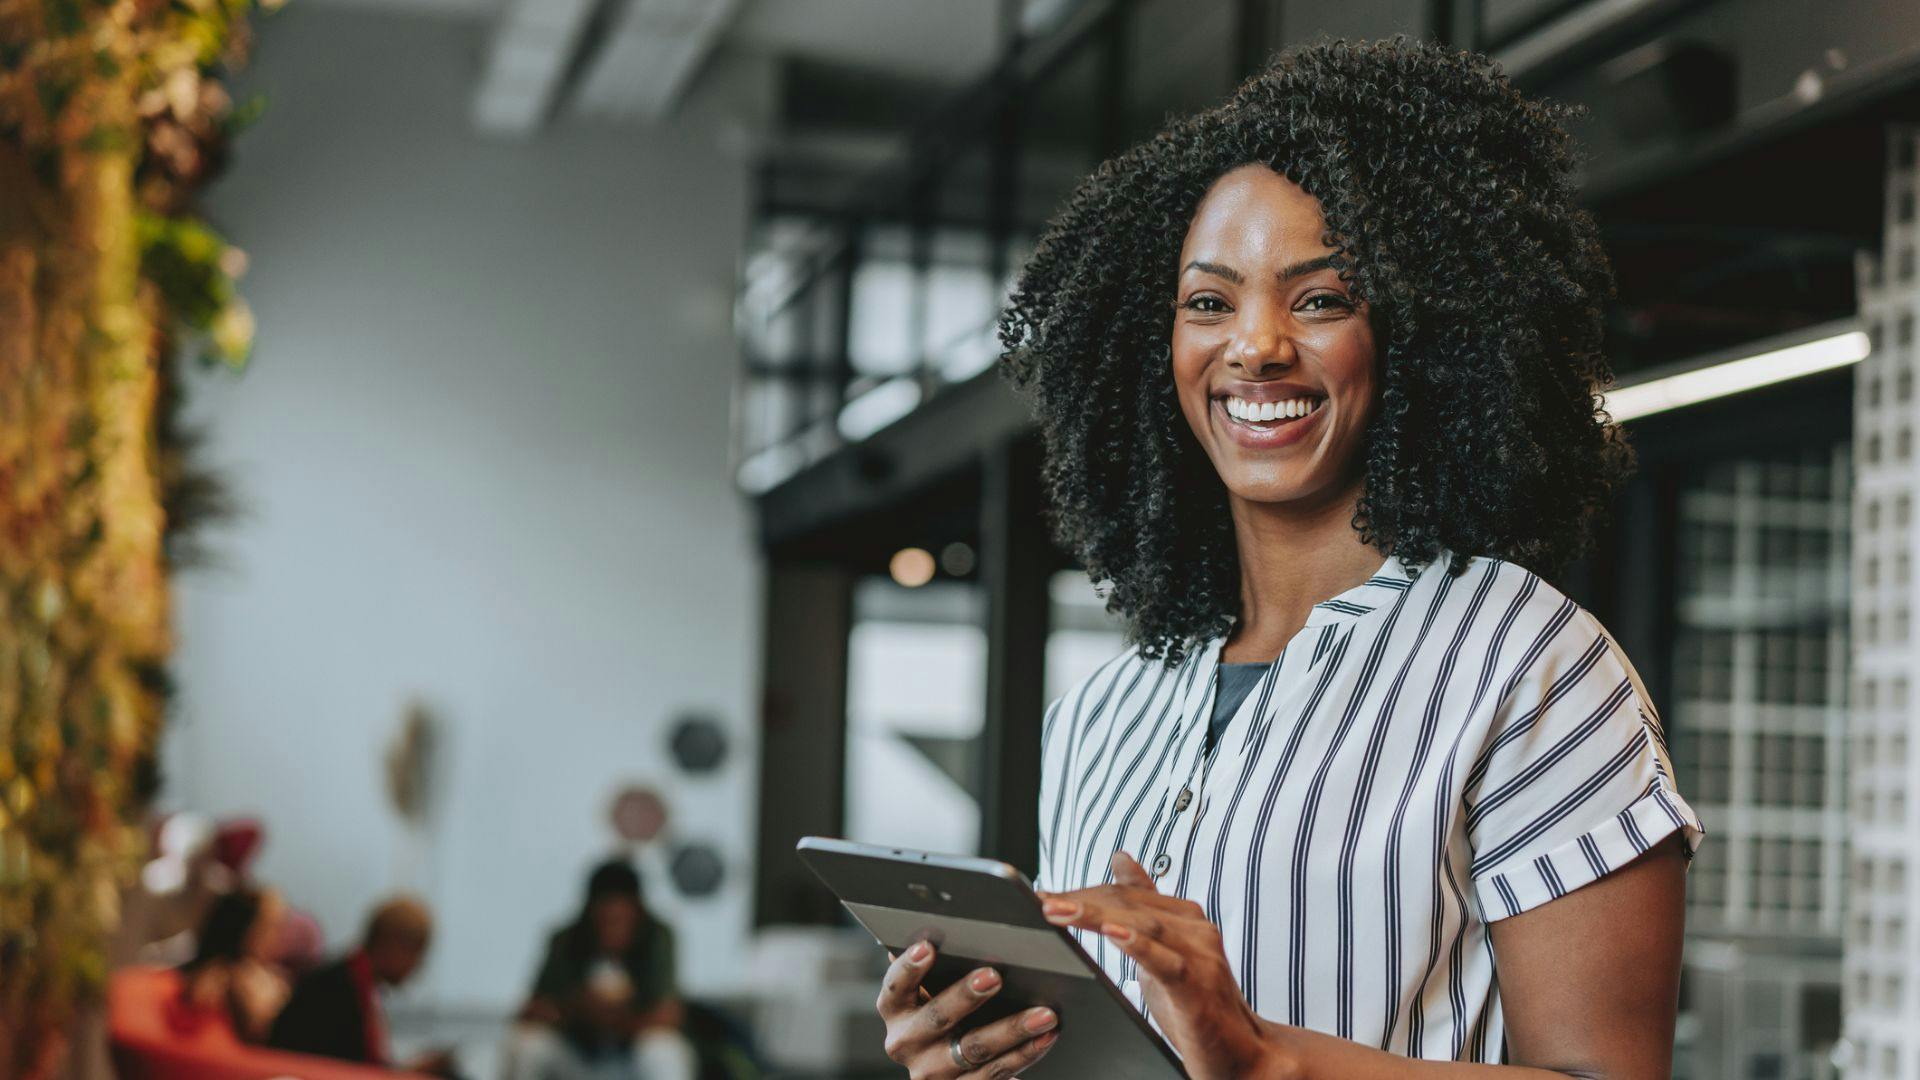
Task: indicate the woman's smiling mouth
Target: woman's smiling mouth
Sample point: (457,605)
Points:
(1254,412)
(1268,425)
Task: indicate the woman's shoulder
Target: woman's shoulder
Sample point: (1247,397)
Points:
(1539,631)
(1127,671)
(1504,591)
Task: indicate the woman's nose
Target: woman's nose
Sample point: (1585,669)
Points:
(1259,349)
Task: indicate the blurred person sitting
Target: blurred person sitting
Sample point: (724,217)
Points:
(336,1009)
(231,979)
(604,1004)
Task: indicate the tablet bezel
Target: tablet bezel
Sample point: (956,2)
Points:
(978,889)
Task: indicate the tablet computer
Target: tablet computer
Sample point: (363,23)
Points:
(983,913)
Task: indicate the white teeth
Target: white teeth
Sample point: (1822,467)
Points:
(1254,412)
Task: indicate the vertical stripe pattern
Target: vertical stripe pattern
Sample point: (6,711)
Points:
(1430,754)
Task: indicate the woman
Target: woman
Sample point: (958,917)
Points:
(231,979)
(1366,797)
(604,1001)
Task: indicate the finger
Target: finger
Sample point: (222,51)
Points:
(984,1047)
(1019,1058)
(1158,960)
(1084,908)
(920,995)
(899,989)
(937,1017)
(1128,871)
(1093,909)
(1127,895)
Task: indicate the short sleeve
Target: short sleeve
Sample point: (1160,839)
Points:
(1573,780)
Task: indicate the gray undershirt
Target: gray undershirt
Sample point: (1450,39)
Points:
(1233,682)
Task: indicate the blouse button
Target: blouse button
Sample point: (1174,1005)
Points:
(1184,800)
(1162,864)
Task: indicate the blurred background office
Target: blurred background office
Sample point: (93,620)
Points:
(620,471)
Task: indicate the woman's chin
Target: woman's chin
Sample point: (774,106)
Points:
(1269,491)
(1289,489)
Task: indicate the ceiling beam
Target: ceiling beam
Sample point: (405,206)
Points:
(651,53)
(528,59)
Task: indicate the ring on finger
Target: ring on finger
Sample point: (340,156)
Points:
(959,1055)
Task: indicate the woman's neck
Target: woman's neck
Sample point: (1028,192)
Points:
(1292,556)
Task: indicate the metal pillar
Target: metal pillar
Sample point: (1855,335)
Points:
(809,612)
(1016,558)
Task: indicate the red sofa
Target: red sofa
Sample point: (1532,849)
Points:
(148,1046)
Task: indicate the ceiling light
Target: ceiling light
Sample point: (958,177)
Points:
(1733,376)
(957,558)
(878,407)
(912,567)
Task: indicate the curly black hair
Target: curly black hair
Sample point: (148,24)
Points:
(1449,200)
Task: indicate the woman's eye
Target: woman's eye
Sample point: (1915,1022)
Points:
(1336,302)
(1210,305)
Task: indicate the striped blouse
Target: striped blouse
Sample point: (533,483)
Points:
(1429,754)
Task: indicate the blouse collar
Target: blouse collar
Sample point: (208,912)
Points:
(1386,585)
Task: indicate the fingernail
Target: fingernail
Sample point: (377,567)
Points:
(918,954)
(1059,910)
(1039,1020)
(984,980)
(1117,932)
(1046,1040)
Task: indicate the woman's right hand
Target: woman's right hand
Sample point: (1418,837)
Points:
(920,1027)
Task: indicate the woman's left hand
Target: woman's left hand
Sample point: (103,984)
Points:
(1184,973)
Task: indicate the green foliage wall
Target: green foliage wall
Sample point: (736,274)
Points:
(112,115)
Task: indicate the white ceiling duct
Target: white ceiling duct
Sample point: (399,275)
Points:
(651,52)
(631,59)
(527,64)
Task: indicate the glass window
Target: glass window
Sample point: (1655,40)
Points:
(963,304)
(1761,624)
(916,704)
(885,294)
(1082,635)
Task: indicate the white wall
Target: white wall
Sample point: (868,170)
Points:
(483,450)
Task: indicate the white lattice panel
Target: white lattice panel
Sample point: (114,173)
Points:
(1882,1020)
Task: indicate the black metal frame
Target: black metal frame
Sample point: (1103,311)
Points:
(990,113)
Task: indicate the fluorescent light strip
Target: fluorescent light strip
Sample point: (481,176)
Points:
(1747,373)
(878,407)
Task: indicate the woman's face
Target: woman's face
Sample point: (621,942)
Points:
(615,920)
(1273,355)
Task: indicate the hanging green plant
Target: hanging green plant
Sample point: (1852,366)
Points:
(195,271)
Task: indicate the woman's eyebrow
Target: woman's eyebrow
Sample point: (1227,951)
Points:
(1216,270)
(1307,267)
